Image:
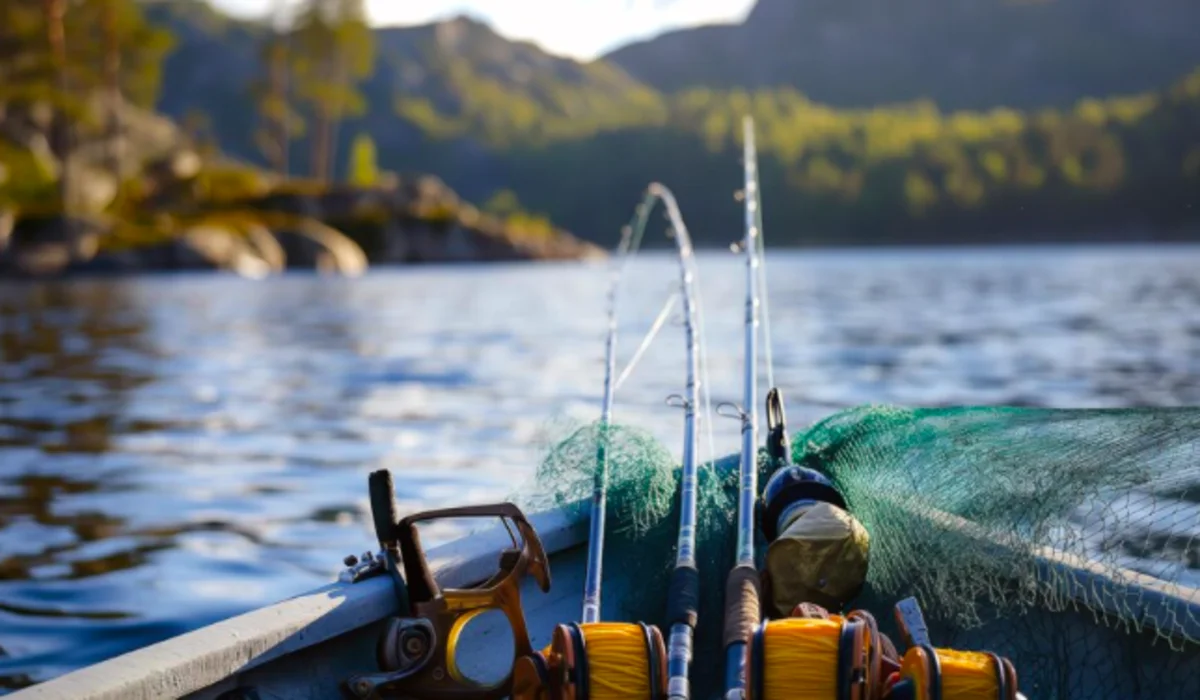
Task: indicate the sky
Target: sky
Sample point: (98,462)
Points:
(582,29)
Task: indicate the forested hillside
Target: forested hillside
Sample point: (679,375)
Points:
(961,54)
(1067,139)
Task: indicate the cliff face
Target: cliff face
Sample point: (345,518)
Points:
(969,54)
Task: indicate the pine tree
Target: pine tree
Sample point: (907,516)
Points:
(54,12)
(24,54)
(335,52)
(280,123)
(112,85)
(61,54)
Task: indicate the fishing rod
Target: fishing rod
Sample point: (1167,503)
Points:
(613,660)
(595,560)
(816,564)
(683,596)
(742,585)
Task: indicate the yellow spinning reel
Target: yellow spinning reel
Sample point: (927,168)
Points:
(824,658)
(595,661)
(817,656)
(417,652)
(927,673)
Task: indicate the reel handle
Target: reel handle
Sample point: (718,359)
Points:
(423,662)
(422,587)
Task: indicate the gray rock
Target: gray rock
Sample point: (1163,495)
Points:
(267,247)
(313,245)
(47,247)
(214,247)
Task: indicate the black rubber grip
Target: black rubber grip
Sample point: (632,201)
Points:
(383,506)
(683,597)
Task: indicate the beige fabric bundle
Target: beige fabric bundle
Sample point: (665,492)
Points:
(821,557)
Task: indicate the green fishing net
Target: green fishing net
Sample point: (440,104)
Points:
(1067,540)
(642,524)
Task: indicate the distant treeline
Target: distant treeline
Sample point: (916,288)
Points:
(1110,168)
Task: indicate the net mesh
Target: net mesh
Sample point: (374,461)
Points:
(1067,540)
(643,523)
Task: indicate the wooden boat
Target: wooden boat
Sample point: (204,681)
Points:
(307,646)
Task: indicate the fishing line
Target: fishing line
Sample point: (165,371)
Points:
(704,383)
(617,662)
(800,658)
(962,675)
(648,339)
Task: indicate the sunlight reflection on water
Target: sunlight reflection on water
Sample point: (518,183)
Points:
(177,449)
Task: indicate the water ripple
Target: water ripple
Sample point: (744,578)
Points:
(178,449)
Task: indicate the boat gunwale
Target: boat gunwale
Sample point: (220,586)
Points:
(1141,600)
(209,655)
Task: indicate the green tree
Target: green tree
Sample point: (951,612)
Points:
(61,54)
(364,172)
(502,203)
(279,122)
(54,12)
(122,63)
(335,51)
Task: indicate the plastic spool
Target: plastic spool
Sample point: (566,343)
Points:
(814,658)
(949,674)
(607,661)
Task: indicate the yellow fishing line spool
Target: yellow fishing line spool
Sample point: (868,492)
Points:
(949,674)
(814,658)
(618,661)
(597,661)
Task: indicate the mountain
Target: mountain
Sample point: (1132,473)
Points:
(442,96)
(578,142)
(961,54)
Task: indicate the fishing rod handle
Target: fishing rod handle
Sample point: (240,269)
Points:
(741,605)
(683,609)
(742,613)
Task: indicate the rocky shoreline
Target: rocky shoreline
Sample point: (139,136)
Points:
(174,206)
(342,231)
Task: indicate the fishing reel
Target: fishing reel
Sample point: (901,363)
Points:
(417,653)
(813,654)
(816,655)
(595,660)
(927,673)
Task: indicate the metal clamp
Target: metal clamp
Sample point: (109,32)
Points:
(360,569)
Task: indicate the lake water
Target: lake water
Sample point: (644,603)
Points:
(178,449)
